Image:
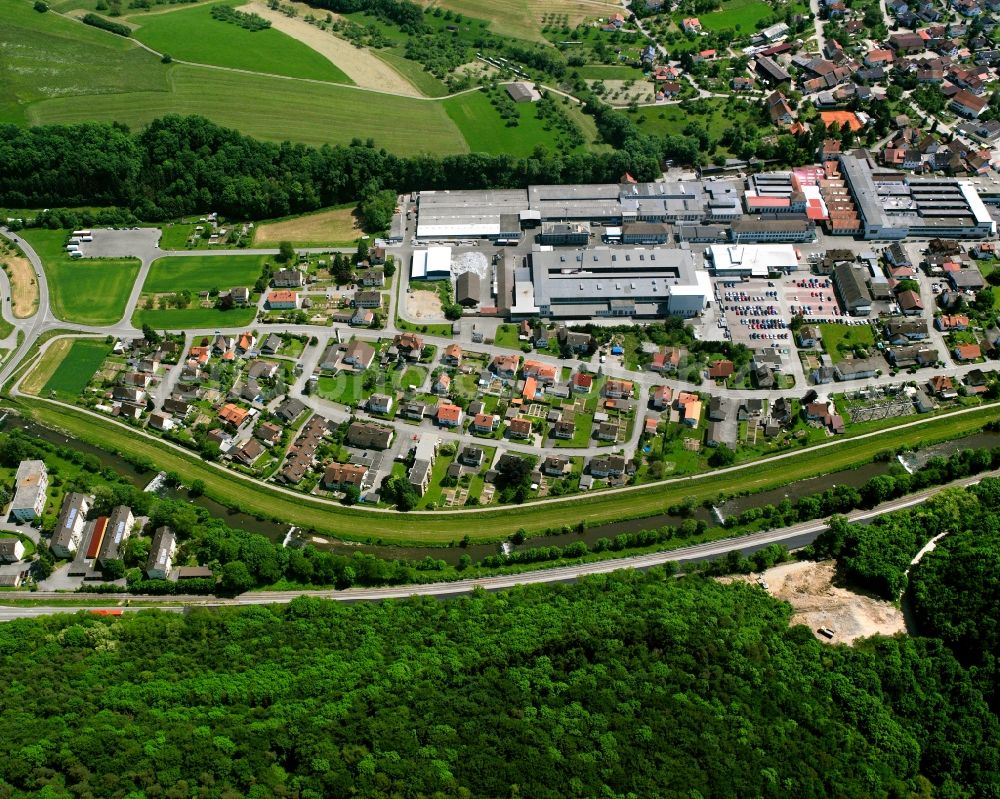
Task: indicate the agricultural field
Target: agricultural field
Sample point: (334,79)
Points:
(283,109)
(76,369)
(46,56)
(88,291)
(191,34)
(332,226)
(360,65)
(608,72)
(486,132)
(202,273)
(523,19)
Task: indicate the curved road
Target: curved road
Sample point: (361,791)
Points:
(793,537)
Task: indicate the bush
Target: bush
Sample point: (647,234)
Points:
(106,24)
(41,7)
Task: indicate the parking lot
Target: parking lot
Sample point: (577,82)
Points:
(755,311)
(813,297)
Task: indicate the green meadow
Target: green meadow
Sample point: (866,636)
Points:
(88,291)
(191,34)
(202,273)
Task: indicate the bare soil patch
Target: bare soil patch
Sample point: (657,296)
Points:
(424,305)
(335,226)
(358,64)
(23,287)
(808,587)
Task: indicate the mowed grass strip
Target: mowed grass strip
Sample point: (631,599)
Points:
(487,132)
(202,273)
(88,291)
(72,374)
(193,318)
(192,34)
(276,109)
(238,492)
(23,287)
(46,56)
(332,226)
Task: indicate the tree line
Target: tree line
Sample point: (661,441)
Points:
(183,165)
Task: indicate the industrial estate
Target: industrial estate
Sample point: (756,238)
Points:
(555,398)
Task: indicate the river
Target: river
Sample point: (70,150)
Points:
(277,532)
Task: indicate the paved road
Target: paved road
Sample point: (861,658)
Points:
(794,536)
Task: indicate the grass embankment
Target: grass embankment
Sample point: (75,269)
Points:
(491,525)
(743,13)
(332,226)
(88,291)
(414,72)
(192,34)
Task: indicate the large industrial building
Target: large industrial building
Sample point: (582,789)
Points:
(605,282)
(434,263)
(892,205)
(501,215)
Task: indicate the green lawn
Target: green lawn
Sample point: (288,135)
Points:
(48,56)
(581,436)
(235,491)
(84,358)
(415,73)
(848,335)
(608,72)
(670,119)
(88,291)
(486,132)
(744,14)
(413,376)
(202,273)
(194,318)
(282,109)
(345,388)
(192,35)
(506,336)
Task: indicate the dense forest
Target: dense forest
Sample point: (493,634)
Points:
(630,685)
(181,165)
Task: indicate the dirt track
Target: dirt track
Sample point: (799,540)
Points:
(359,65)
(808,587)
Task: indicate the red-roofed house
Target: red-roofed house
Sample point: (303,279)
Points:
(967,352)
(581,383)
(691,25)
(283,300)
(720,370)
(520,427)
(967,104)
(449,415)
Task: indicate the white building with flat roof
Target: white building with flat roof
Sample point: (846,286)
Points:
(31,483)
(752,260)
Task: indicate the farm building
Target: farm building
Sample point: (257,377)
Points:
(522,92)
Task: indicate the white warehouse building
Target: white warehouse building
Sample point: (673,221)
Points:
(752,260)
(434,263)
